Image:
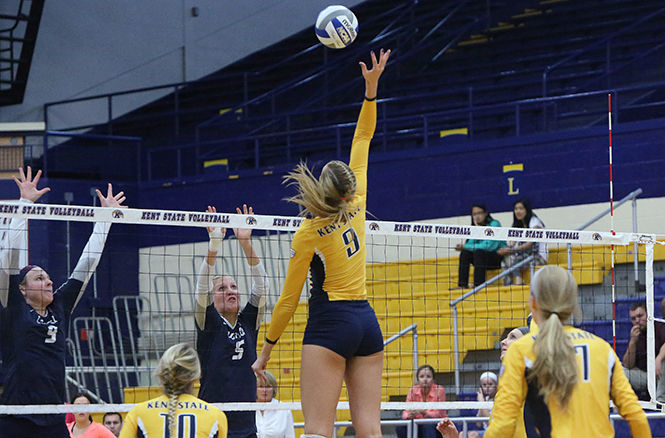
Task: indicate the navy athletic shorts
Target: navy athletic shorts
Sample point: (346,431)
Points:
(348,327)
(17,427)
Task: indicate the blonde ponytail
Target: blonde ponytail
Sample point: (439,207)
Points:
(327,197)
(555,369)
(178,369)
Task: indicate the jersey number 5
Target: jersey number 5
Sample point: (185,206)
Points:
(239,350)
(351,242)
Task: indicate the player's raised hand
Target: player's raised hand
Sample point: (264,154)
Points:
(243,233)
(372,75)
(111,200)
(215,234)
(28,186)
(447,428)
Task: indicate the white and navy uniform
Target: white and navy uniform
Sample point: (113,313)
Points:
(33,346)
(227,351)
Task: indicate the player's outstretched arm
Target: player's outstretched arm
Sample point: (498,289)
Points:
(203,277)
(15,253)
(260,283)
(92,252)
(366,120)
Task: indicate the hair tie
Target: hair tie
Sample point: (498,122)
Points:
(343,198)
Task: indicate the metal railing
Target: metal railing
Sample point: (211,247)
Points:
(632,196)
(453,304)
(528,261)
(258,148)
(606,41)
(96,358)
(414,329)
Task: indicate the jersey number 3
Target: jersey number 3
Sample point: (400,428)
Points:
(51,333)
(351,242)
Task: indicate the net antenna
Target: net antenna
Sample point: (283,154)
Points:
(614,318)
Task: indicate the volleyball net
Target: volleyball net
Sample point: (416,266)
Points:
(141,300)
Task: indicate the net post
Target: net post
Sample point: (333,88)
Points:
(456,350)
(635,248)
(569,252)
(651,341)
(415,348)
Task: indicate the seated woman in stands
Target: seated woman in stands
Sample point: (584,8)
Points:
(34,319)
(83,426)
(424,391)
(272,423)
(523,217)
(482,254)
(488,384)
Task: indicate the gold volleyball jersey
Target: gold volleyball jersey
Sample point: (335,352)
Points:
(195,419)
(334,252)
(601,377)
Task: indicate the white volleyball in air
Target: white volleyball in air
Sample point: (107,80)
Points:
(336,27)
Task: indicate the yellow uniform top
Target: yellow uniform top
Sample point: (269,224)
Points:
(601,377)
(519,425)
(195,418)
(335,252)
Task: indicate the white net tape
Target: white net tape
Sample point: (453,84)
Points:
(397,243)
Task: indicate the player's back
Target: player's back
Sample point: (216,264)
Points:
(601,376)
(194,418)
(338,253)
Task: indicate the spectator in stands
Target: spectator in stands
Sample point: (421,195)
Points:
(523,217)
(486,392)
(489,384)
(635,358)
(177,411)
(226,340)
(424,391)
(34,320)
(83,426)
(113,421)
(272,423)
(483,254)
(565,375)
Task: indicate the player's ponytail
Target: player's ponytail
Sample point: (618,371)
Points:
(327,197)
(178,369)
(555,369)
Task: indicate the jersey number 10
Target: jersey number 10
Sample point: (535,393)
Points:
(182,420)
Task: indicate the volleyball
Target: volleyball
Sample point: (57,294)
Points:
(336,27)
